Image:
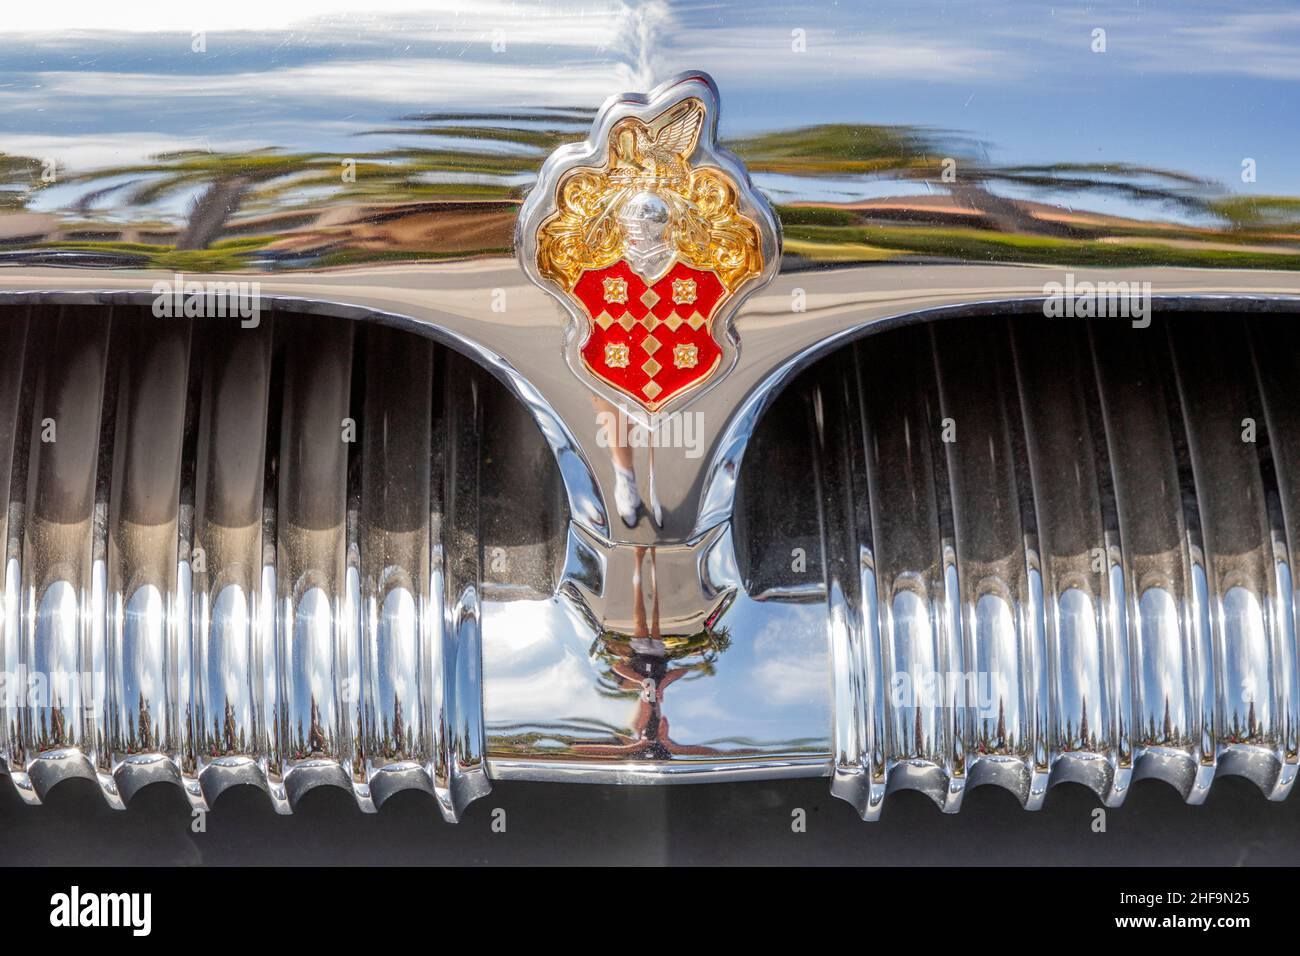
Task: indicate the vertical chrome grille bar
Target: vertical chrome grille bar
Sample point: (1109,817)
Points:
(1000,581)
(60,609)
(394,537)
(15,367)
(229,483)
(1275,351)
(1086,647)
(1217,398)
(144,633)
(921,646)
(1136,415)
(860,769)
(458,768)
(310,564)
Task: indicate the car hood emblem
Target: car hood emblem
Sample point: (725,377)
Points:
(651,236)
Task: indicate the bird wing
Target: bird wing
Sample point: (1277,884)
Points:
(678,136)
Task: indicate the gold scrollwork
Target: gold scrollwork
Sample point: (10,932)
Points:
(706,227)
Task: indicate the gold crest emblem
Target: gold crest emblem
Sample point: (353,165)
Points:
(650,234)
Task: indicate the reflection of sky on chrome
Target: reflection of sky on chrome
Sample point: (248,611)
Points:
(771,686)
(786,188)
(1018,76)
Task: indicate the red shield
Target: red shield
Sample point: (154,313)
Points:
(655,342)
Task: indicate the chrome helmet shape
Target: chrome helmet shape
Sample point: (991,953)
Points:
(644,219)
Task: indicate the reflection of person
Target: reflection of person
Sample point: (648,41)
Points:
(642,663)
(627,499)
(644,220)
(616,425)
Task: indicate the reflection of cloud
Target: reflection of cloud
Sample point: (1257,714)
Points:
(1266,46)
(1188,40)
(413,54)
(849,56)
(536,668)
(783,186)
(451,20)
(96,151)
(451,82)
(793,660)
(709,710)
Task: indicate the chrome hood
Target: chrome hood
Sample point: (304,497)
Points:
(925,162)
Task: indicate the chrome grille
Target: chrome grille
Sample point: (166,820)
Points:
(1053,551)
(254,556)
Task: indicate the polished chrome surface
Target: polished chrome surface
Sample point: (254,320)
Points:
(927,166)
(646,664)
(1071,538)
(377,162)
(327,552)
(217,580)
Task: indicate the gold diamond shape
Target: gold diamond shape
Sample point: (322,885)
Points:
(617,354)
(651,367)
(615,289)
(686,355)
(674,321)
(651,322)
(626,321)
(650,299)
(651,345)
(604,320)
(695,321)
(684,291)
(651,390)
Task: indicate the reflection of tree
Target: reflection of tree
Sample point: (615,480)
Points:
(228,183)
(642,664)
(1142,183)
(400,201)
(140,734)
(302,743)
(994,739)
(692,656)
(223,178)
(984,211)
(920,153)
(20,177)
(1251,732)
(841,149)
(1259,212)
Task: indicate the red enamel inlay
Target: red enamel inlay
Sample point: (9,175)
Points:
(709,292)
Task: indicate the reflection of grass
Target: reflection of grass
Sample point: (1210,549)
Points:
(230,255)
(226,255)
(88,245)
(840,251)
(376,190)
(815,216)
(349,257)
(840,149)
(988,246)
(1163,232)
